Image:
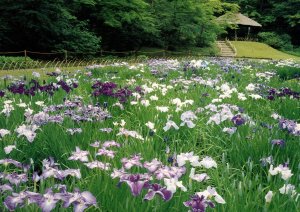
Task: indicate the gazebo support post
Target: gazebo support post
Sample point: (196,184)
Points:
(235,34)
(248,35)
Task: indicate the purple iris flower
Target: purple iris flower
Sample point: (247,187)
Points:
(17,200)
(198,204)
(36,177)
(278,142)
(2,93)
(7,161)
(161,191)
(47,202)
(15,178)
(5,187)
(153,165)
(238,120)
(136,182)
(135,160)
(290,126)
(169,172)
(112,143)
(80,200)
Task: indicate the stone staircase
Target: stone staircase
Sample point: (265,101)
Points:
(225,49)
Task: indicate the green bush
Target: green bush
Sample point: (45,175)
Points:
(18,62)
(287,73)
(275,40)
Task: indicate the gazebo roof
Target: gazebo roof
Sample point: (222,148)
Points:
(238,19)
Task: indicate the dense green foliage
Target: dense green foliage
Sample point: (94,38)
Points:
(80,25)
(282,41)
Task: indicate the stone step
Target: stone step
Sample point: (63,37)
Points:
(226,50)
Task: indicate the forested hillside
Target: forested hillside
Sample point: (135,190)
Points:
(85,25)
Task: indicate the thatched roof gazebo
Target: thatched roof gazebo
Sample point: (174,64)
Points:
(238,19)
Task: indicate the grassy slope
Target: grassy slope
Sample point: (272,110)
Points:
(259,50)
(195,51)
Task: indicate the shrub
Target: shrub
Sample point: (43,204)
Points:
(275,40)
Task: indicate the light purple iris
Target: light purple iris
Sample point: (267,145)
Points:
(79,155)
(96,144)
(8,161)
(5,187)
(80,200)
(169,172)
(105,152)
(107,144)
(15,178)
(50,169)
(98,164)
(133,161)
(15,200)
(291,126)
(153,165)
(36,177)
(119,173)
(159,190)
(70,172)
(47,202)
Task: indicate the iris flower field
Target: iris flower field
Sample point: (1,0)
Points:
(163,135)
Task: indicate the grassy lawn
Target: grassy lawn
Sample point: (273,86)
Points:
(259,50)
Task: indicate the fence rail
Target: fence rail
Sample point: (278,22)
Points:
(70,58)
(65,60)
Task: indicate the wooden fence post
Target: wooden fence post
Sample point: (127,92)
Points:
(25,55)
(66,55)
(135,54)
